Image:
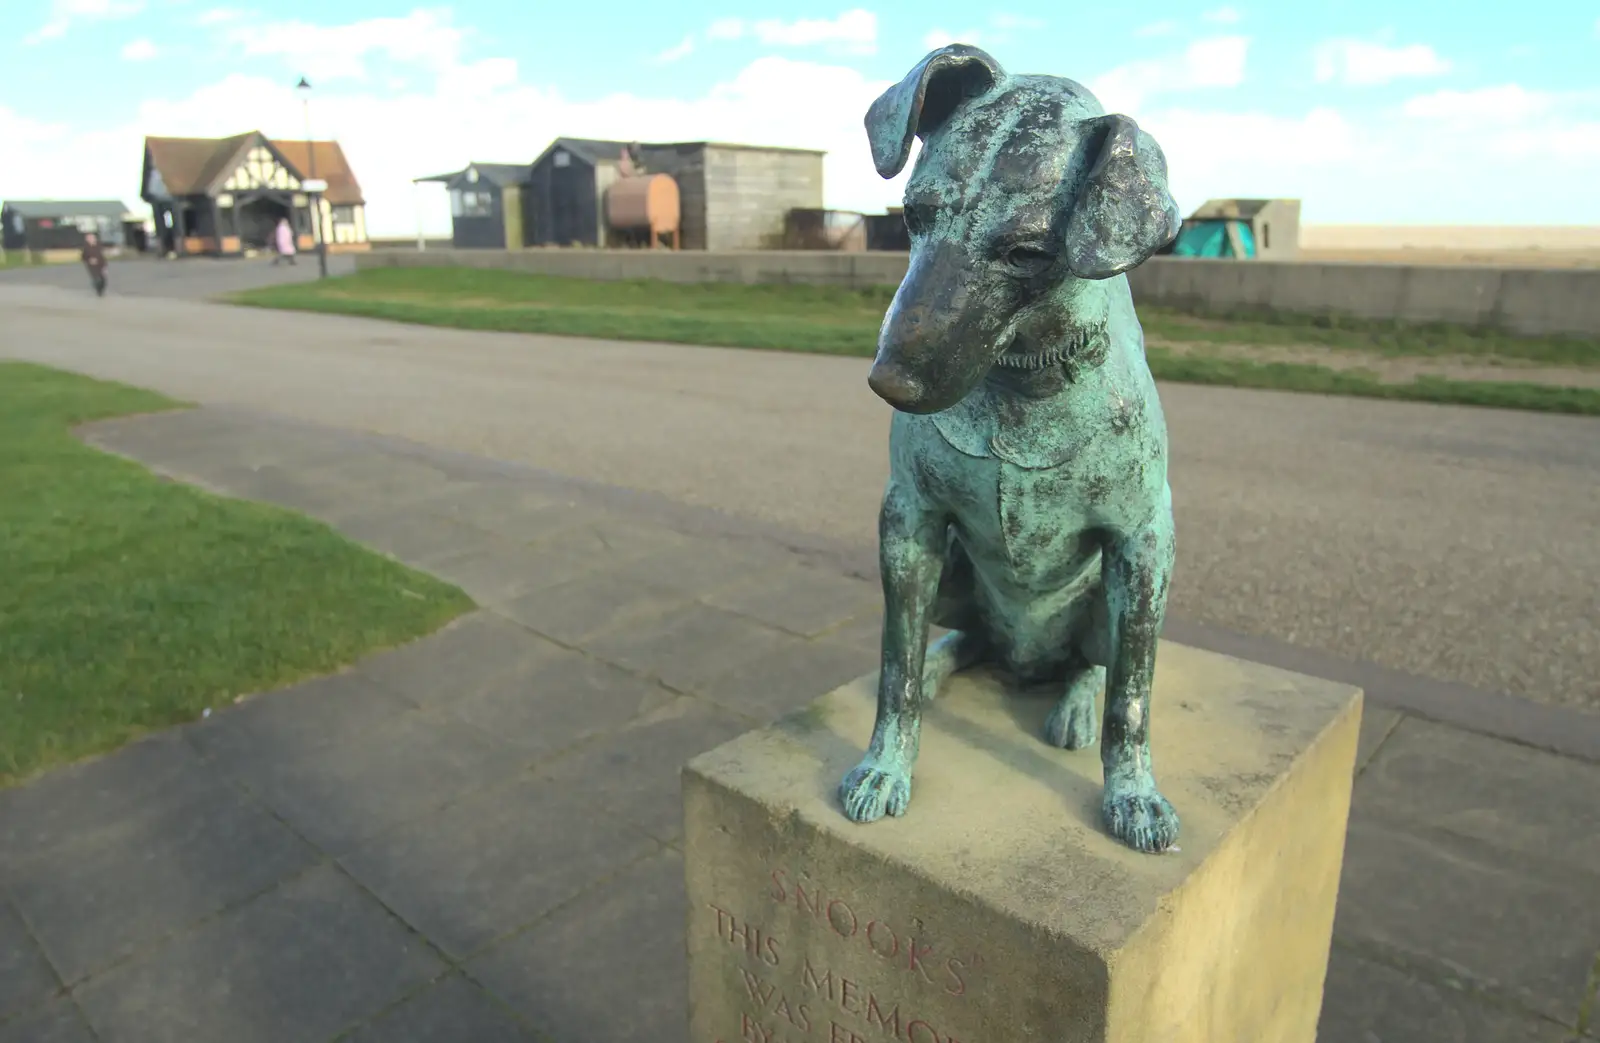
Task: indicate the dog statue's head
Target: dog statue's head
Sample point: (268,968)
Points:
(1024,192)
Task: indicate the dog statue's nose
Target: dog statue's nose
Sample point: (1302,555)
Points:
(893,386)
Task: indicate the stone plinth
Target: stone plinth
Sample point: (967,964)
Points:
(998,910)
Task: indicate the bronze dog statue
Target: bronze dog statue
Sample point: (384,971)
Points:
(1027,507)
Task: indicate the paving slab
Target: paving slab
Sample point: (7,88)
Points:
(78,802)
(1369,1002)
(304,962)
(112,893)
(787,677)
(1377,724)
(58,1021)
(26,979)
(502,507)
(634,771)
(416,539)
(467,654)
(609,968)
(451,1010)
(338,794)
(801,599)
(688,649)
(1540,806)
(588,606)
(558,702)
(495,570)
(704,566)
(1460,910)
(334,708)
(493,862)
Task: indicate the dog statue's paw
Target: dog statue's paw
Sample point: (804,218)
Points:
(873,787)
(1140,817)
(1071,725)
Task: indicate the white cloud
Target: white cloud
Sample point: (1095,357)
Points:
(1504,103)
(140,50)
(1217,61)
(1005,21)
(1360,63)
(1222,16)
(855,31)
(63,13)
(1165,27)
(324,53)
(221,16)
(938,38)
(678,51)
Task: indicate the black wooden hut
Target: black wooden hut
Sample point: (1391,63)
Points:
(567,184)
(59,224)
(487,205)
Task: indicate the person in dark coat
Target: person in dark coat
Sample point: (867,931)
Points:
(94,259)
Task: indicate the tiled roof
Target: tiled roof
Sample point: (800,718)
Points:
(194,166)
(331,166)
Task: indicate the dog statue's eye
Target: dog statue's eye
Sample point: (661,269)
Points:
(1028,258)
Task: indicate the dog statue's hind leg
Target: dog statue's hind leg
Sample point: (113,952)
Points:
(1137,566)
(912,540)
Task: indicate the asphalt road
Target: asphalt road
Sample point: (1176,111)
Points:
(1461,544)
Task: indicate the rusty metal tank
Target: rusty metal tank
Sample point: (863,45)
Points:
(644,203)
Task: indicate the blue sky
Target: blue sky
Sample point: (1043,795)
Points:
(1425,112)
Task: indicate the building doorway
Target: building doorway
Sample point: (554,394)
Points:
(258,218)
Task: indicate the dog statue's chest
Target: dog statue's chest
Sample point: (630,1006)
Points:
(1028,489)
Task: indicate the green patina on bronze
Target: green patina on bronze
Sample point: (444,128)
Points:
(1027,507)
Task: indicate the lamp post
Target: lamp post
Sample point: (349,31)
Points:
(311,184)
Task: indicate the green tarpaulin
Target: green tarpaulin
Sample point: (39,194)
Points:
(1212,239)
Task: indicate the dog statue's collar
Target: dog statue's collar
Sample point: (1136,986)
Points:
(1084,345)
(1040,437)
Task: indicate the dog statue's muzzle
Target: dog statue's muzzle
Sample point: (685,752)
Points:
(939,336)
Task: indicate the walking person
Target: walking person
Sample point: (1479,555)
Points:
(283,237)
(94,260)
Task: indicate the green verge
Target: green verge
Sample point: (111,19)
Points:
(131,603)
(835,321)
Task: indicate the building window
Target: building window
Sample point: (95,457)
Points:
(344,215)
(562,159)
(471,204)
(1266,237)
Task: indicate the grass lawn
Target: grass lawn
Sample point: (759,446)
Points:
(130,603)
(833,321)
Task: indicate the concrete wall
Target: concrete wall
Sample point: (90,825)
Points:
(1529,301)
(817,267)
(1450,237)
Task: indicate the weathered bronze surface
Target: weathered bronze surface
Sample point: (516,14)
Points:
(1027,507)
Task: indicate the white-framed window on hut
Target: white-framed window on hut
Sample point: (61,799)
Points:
(260,170)
(348,224)
(470,203)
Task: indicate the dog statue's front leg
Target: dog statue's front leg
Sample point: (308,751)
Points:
(1137,565)
(912,540)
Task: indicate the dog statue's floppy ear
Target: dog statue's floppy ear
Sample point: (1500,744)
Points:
(916,105)
(1124,212)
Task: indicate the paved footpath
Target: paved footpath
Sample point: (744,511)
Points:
(475,838)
